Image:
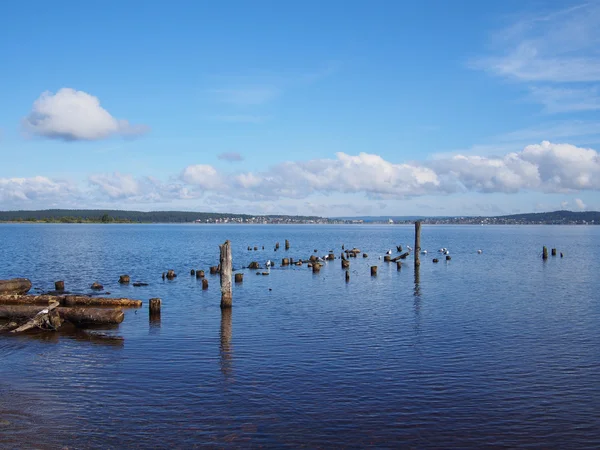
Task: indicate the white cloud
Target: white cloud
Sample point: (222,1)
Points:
(116,185)
(203,176)
(75,115)
(559,100)
(580,205)
(26,191)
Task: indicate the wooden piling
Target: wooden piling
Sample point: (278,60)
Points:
(373,271)
(417,242)
(214,270)
(287,244)
(239,277)
(553,252)
(199,273)
(387,258)
(155,304)
(192,272)
(204,284)
(398,265)
(59,285)
(345,263)
(285,262)
(544,253)
(276,245)
(225,264)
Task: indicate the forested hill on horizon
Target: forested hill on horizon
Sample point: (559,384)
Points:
(122,216)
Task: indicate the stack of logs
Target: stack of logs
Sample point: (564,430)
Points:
(23,312)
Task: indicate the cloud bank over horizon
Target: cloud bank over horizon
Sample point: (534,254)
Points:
(546,167)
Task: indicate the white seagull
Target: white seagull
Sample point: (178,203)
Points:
(269,263)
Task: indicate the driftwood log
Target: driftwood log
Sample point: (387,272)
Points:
(77,316)
(15,286)
(67,300)
(46,318)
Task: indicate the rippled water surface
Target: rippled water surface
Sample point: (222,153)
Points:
(494,350)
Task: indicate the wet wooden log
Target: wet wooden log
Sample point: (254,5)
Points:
(417,243)
(544,253)
(124,279)
(59,285)
(225,274)
(67,300)
(82,300)
(404,255)
(77,316)
(239,277)
(46,316)
(15,286)
(373,271)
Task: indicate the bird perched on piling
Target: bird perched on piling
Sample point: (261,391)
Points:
(269,263)
(389,252)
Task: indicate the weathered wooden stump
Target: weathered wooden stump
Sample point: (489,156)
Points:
(192,272)
(448,257)
(365,255)
(387,258)
(253,265)
(553,252)
(287,244)
(239,277)
(373,271)
(276,245)
(171,274)
(544,253)
(96,286)
(155,304)
(204,284)
(124,279)
(331,256)
(285,262)
(214,270)
(255,248)
(435,260)
(398,265)
(316,267)
(199,273)
(226,269)
(59,285)
(345,263)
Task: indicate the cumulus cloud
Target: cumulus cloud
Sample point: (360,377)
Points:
(203,176)
(231,157)
(116,185)
(73,115)
(580,205)
(25,191)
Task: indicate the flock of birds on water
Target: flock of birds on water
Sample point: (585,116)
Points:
(443,251)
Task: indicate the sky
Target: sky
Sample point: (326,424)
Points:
(329,108)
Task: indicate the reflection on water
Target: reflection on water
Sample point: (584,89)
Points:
(225,350)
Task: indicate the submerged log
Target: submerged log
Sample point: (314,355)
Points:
(77,316)
(15,286)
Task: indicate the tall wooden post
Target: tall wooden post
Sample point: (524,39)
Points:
(225,263)
(417,242)
(544,253)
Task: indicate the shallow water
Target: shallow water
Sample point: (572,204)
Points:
(487,350)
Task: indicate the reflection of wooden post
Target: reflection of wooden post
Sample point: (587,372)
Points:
(347,276)
(225,347)
(417,242)
(225,263)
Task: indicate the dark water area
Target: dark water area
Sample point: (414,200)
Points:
(491,350)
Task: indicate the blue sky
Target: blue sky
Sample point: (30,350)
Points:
(328,108)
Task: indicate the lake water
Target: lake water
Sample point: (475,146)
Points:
(491,350)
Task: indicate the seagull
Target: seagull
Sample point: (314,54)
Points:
(480,251)
(424,252)
(389,252)
(409,248)
(269,263)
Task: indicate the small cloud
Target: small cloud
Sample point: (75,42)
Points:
(72,115)
(231,157)
(580,205)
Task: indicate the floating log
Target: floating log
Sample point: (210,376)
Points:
(124,279)
(46,318)
(373,271)
(225,274)
(199,273)
(544,253)
(239,277)
(15,286)
(77,316)
(417,242)
(59,285)
(96,286)
(204,284)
